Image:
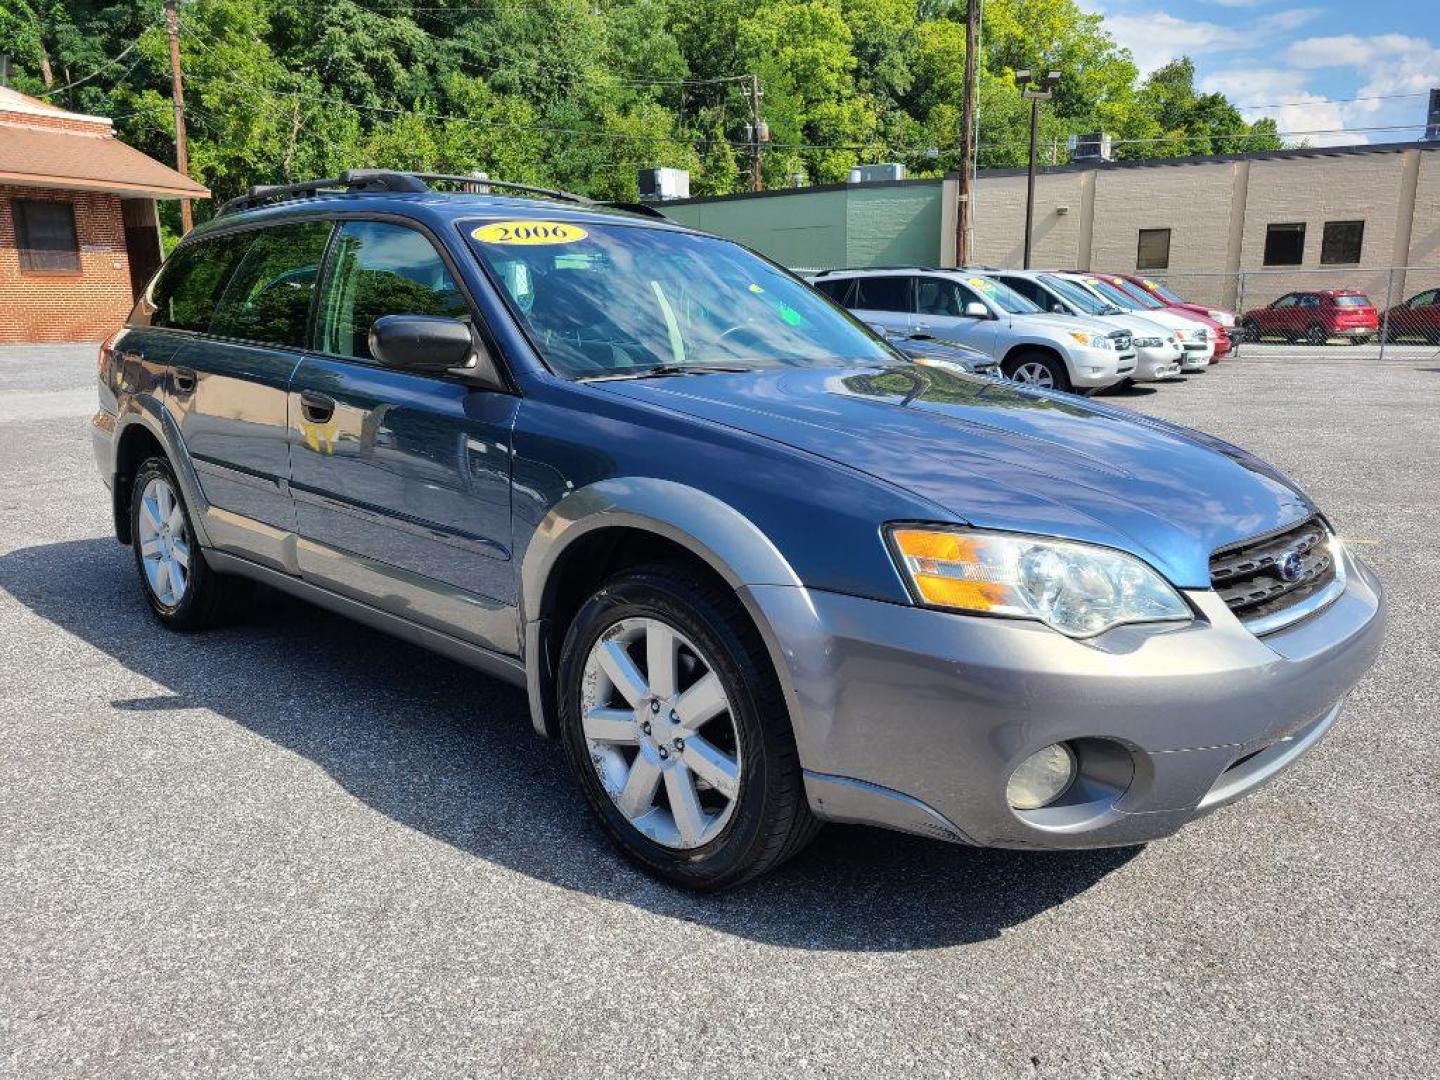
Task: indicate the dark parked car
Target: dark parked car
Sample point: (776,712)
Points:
(927,349)
(1417,319)
(1314,317)
(754,569)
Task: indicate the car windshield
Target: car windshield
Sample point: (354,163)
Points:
(1166,294)
(1115,297)
(1003,297)
(609,301)
(1352,301)
(1087,302)
(1140,298)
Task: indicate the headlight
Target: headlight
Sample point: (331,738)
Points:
(1149,342)
(1078,589)
(1090,341)
(1224,318)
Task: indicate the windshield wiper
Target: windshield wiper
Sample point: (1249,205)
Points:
(660,371)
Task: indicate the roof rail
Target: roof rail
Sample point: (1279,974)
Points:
(357,180)
(853,269)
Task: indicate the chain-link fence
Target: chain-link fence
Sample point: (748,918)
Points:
(1379,311)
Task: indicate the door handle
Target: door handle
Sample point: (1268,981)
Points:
(184,380)
(922,326)
(317,408)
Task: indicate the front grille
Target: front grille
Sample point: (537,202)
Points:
(1202,335)
(1122,340)
(1252,577)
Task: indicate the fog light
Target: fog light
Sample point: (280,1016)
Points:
(1042,777)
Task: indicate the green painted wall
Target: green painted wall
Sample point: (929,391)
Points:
(859,225)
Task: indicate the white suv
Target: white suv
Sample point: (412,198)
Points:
(1158,352)
(1199,348)
(1055,351)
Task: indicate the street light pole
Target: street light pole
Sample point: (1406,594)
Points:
(1037,91)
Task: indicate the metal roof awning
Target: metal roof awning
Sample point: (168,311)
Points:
(81,161)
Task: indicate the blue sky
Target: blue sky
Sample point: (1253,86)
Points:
(1309,54)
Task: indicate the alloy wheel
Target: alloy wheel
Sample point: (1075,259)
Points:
(661,733)
(1034,373)
(164,543)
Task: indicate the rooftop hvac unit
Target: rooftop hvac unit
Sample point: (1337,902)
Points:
(1432,124)
(1094,147)
(658,185)
(877,174)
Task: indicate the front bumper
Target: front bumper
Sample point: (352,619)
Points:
(1197,356)
(1153,364)
(1094,368)
(914,719)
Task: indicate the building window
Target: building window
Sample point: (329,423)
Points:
(1285,245)
(1341,242)
(45,235)
(1153,251)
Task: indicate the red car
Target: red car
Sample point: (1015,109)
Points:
(1418,317)
(1168,296)
(1315,317)
(1155,302)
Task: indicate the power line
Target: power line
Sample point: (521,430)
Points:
(110,62)
(1334,101)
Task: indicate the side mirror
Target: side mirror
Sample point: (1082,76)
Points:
(976,310)
(434,345)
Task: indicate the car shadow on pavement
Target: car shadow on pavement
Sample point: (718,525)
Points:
(450,752)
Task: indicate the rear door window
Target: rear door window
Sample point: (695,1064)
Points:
(837,290)
(379,268)
(268,296)
(883,294)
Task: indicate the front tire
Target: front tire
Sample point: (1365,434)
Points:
(677,731)
(1316,336)
(181,589)
(1032,368)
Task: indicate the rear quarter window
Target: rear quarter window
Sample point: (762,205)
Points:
(183,294)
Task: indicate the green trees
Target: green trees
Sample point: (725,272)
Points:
(582,93)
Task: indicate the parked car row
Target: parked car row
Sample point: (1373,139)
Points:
(1055,329)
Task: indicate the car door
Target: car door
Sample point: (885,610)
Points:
(401,480)
(940,311)
(229,384)
(1424,316)
(1279,317)
(884,301)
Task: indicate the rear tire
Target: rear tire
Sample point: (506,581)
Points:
(1033,368)
(705,804)
(179,586)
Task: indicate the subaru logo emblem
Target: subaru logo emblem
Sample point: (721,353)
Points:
(1290,566)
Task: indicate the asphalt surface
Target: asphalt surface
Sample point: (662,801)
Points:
(299,848)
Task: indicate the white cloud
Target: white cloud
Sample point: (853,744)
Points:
(1154,38)
(1285,98)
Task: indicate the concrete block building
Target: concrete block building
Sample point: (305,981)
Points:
(1238,230)
(79,234)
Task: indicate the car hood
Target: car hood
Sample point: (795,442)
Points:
(1055,323)
(1001,457)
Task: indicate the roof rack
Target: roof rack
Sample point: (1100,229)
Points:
(851,269)
(386,180)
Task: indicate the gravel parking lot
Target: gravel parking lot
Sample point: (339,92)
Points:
(299,848)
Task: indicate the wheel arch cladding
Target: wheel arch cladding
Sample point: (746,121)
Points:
(672,522)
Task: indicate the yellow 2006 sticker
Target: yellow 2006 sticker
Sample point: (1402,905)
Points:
(529,232)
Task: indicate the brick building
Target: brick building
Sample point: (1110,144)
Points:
(79,234)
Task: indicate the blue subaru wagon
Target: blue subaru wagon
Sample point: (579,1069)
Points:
(755,570)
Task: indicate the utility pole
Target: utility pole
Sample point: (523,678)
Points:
(177,96)
(967,133)
(1037,87)
(759,133)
